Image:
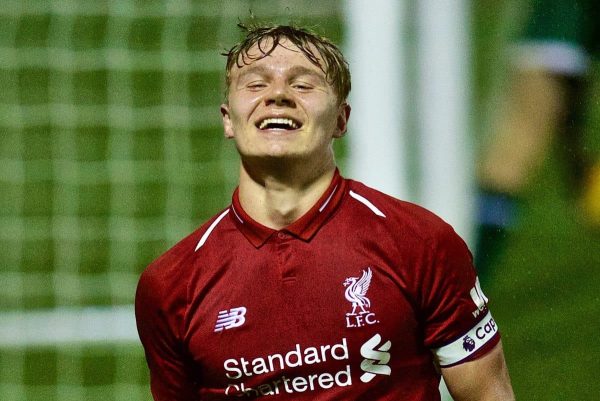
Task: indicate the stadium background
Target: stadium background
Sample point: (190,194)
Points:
(111,150)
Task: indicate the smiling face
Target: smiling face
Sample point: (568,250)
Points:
(281,107)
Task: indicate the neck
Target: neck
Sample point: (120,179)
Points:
(276,197)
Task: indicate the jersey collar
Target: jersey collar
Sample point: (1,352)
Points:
(304,228)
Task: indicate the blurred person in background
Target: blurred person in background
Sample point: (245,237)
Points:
(546,98)
(309,285)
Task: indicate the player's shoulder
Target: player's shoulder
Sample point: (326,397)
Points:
(400,214)
(177,260)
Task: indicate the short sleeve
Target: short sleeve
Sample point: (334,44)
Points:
(458,325)
(158,315)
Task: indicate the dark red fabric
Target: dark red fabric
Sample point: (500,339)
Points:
(291,284)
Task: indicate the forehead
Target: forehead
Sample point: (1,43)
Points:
(285,57)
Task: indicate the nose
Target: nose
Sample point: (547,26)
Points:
(280,96)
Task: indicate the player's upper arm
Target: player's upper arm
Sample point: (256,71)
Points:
(482,379)
(458,325)
(158,314)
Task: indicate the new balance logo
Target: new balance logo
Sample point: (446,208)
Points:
(228,319)
(376,358)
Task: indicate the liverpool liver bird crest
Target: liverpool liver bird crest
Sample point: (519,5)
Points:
(356,291)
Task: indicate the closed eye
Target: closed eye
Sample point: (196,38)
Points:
(302,86)
(256,85)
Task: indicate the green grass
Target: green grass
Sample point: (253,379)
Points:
(545,296)
(544,287)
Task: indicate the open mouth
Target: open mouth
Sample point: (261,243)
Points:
(278,123)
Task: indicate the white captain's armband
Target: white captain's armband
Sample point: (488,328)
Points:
(468,343)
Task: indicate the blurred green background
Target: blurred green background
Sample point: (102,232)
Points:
(544,288)
(111,150)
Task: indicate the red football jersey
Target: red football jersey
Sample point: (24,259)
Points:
(359,299)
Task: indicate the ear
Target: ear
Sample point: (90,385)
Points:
(227,126)
(342,120)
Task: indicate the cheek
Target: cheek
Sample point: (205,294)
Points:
(242,109)
(319,108)
(327,118)
(244,100)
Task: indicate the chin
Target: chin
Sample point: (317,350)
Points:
(279,150)
(278,158)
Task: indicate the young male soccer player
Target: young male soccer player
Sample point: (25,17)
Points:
(310,286)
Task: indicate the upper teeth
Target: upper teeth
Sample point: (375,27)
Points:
(286,121)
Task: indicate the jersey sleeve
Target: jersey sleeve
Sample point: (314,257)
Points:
(457,323)
(159,313)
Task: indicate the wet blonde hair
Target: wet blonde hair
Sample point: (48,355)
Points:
(327,56)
